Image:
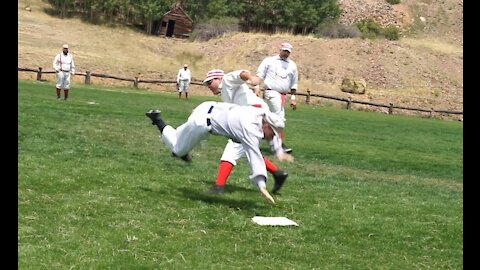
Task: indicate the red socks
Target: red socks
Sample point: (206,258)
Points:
(224,171)
(226,167)
(270,166)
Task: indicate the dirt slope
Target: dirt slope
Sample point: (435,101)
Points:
(423,69)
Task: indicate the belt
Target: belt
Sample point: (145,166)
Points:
(208,117)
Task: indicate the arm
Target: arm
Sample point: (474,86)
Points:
(293,89)
(253,80)
(72,66)
(55,63)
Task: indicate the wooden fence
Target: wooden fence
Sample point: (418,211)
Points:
(308,95)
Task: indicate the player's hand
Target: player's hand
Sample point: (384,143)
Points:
(267,195)
(73,72)
(257,91)
(254,80)
(285,157)
(293,104)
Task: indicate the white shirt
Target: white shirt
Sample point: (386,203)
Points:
(63,62)
(235,90)
(278,74)
(183,75)
(242,124)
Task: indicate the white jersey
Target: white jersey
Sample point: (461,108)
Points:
(235,90)
(184,75)
(63,62)
(278,74)
(242,124)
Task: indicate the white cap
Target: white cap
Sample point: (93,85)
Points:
(276,122)
(287,47)
(65,46)
(214,73)
(185,65)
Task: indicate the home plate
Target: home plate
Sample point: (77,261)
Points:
(273,221)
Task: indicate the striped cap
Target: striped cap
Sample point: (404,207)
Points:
(214,73)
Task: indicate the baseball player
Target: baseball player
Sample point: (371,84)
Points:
(233,88)
(246,125)
(183,81)
(64,66)
(279,75)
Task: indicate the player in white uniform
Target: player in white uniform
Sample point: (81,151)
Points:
(233,88)
(279,75)
(64,66)
(246,125)
(183,81)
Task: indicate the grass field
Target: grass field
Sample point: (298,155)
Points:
(97,189)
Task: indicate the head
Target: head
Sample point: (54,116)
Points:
(272,125)
(65,48)
(213,80)
(285,50)
(185,66)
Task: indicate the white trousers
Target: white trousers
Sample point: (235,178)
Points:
(183,86)
(188,135)
(63,80)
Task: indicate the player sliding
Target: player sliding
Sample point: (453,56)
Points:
(243,124)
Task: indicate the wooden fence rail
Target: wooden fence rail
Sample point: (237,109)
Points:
(307,95)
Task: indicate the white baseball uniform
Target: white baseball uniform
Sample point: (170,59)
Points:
(235,90)
(64,66)
(183,79)
(242,124)
(279,76)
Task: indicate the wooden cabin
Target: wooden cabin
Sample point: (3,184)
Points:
(174,23)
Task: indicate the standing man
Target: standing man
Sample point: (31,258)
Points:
(244,124)
(64,66)
(233,88)
(183,81)
(279,75)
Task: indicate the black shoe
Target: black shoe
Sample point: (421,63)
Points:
(279,177)
(216,190)
(286,149)
(154,115)
(187,158)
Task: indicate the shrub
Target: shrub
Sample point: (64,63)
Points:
(393,2)
(391,32)
(213,28)
(336,30)
(369,28)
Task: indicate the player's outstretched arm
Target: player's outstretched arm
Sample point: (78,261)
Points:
(267,195)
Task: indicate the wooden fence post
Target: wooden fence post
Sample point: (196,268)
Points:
(349,103)
(135,82)
(307,99)
(390,109)
(87,77)
(39,74)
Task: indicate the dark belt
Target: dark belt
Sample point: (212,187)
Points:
(208,119)
(272,89)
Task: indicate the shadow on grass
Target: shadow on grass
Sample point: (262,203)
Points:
(246,204)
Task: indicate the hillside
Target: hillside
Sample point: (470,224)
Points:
(423,69)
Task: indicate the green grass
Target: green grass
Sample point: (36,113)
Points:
(97,189)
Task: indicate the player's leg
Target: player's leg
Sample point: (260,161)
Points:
(66,87)
(58,85)
(279,176)
(232,152)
